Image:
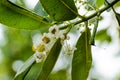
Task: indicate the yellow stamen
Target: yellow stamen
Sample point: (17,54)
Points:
(46,39)
(33,48)
(41,48)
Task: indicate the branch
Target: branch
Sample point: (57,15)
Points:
(92,15)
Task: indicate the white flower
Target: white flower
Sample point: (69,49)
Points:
(54,30)
(47,38)
(68,49)
(40,56)
(40,47)
(36,41)
(47,41)
(58,33)
(63,34)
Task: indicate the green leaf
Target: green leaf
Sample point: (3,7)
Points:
(81,62)
(34,72)
(102,36)
(117,4)
(118,32)
(100,3)
(57,75)
(50,61)
(118,17)
(24,69)
(40,11)
(60,10)
(17,17)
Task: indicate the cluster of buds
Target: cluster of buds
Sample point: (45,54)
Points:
(47,41)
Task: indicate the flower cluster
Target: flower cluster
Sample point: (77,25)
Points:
(47,41)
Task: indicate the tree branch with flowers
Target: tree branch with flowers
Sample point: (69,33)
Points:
(61,17)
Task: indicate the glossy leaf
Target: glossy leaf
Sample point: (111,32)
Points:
(34,72)
(39,9)
(117,4)
(17,17)
(24,69)
(100,3)
(118,18)
(81,62)
(57,75)
(60,10)
(50,61)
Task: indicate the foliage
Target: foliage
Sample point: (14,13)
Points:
(60,16)
(82,57)
(7,14)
